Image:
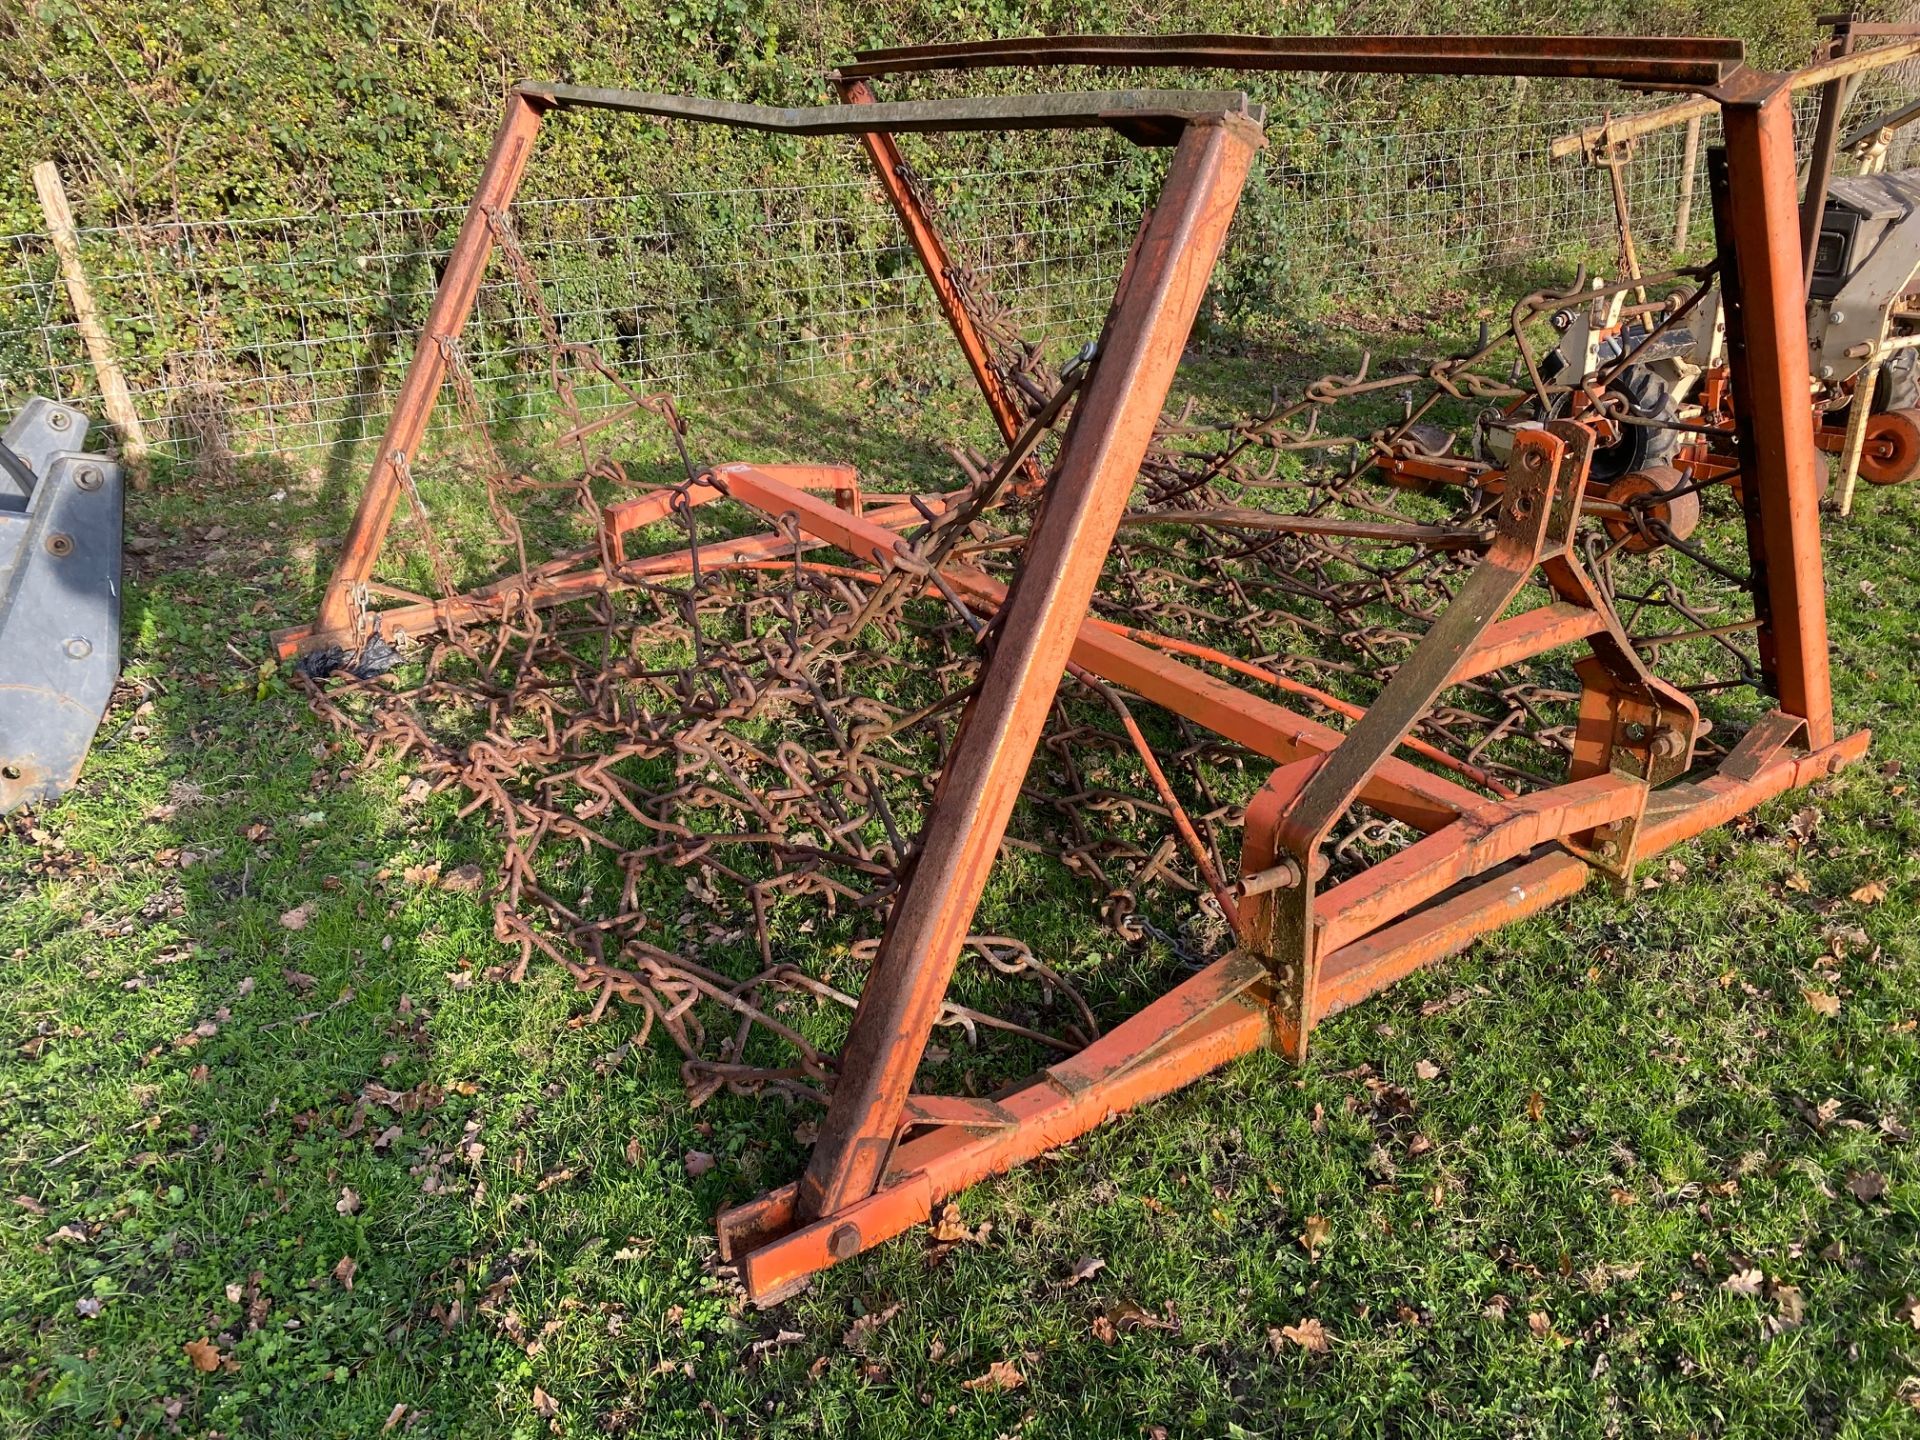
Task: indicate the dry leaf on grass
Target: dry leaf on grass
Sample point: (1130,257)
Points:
(463,879)
(1790,1307)
(698,1163)
(1871,893)
(861,1330)
(1821,1003)
(297,918)
(394,1417)
(1867,1185)
(1001,1375)
(349,1201)
(1910,1312)
(1536,1107)
(1426,1070)
(204,1354)
(1744,1282)
(544,1405)
(949,1229)
(344,1271)
(778,1341)
(1085,1270)
(1310,1335)
(1314,1234)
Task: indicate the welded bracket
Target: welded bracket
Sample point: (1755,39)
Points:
(60,512)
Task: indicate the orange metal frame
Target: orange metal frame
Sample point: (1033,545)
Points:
(886,1156)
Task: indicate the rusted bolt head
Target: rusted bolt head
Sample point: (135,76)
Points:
(844,1243)
(59,543)
(1534,460)
(88,477)
(1669,744)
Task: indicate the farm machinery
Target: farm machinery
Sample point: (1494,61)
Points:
(1291,733)
(1657,380)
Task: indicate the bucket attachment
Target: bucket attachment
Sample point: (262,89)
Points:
(59,599)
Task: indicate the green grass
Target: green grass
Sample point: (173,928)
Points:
(1623,1105)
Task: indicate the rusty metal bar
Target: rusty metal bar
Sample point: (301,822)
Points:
(1127,110)
(1649,60)
(891,168)
(1152,312)
(341,606)
(1757,218)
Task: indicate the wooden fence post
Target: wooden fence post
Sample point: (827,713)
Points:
(106,369)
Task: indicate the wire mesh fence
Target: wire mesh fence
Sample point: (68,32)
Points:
(289,335)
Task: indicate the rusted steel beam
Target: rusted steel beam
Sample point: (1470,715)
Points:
(1523,636)
(1649,60)
(1756,215)
(891,168)
(341,606)
(1133,112)
(1472,845)
(1153,310)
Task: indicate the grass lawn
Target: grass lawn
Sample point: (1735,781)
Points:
(1628,1168)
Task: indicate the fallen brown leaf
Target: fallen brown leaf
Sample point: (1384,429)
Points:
(1871,893)
(1001,1375)
(349,1201)
(1426,1070)
(698,1163)
(1744,1282)
(395,1416)
(344,1271)
(861,1330)
(1536,1107)
(544,1405)
(1085,1270)
(204,1354)
(1310,1335)
(297,918)
(949,1229)
(1821,1003)
(1791,1307)
(463,879)
(1315,1232)
(1867,1185)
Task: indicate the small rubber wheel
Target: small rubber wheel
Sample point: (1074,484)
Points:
(1660,513)
(1892,452)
